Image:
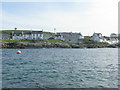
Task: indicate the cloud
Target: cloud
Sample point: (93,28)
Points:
(102,17)
(45,0)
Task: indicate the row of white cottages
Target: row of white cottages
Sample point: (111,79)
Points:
(66,36)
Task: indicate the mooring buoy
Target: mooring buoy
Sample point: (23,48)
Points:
(18,52)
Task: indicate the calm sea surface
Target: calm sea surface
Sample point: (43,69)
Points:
(60,68)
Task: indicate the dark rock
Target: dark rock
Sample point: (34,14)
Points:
(42,44)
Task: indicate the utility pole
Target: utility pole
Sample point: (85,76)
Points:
(54,30)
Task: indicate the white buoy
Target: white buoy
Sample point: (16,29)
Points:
(18,52)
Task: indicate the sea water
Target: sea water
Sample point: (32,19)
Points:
(60,68)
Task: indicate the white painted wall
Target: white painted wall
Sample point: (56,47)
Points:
(96,39)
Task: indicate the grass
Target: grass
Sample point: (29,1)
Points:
(10,31)
(37,40)
(10,40)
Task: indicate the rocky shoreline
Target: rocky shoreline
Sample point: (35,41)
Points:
(41,44)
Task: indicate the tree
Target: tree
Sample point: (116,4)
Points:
(15,28)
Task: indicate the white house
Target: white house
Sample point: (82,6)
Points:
(27,35)
(37,34)
(71,37)
(113,35)
(17,35)
(113,38)
(48,35)
(97,37)
(59,36)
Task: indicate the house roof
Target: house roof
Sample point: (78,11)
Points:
(27,33)
(70,33)
(113,34)
(37,32)
(80,34)
(17,33)
(5,33)
(96,33)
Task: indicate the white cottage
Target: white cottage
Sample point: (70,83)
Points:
(37,34)
(48,35)
(59,36)
(71,37)
(113,38)
(113,35)
(27,35)
(17,35)
(97,37)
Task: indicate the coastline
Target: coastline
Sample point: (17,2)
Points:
(42,44)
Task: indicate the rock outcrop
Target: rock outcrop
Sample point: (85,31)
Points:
(42,44)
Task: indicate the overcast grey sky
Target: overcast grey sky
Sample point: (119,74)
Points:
(85,16)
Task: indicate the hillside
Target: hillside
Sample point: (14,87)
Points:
(10,31)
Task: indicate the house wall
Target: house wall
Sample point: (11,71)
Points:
(97,38)
(46,36)
(59,37)
(5,36)
(72,37)
(24,36)
(16,38)
(113,35)
(113,40)
(81,37)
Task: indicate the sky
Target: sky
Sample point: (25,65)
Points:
(85,16)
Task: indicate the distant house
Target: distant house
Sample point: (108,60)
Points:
(113,38)
(37,34)
(113,35)
(52,36)
(5,36)
(27,35)
(97,37)
(71,37)
(48,35)
(59,36)
(119,35)
(17,35)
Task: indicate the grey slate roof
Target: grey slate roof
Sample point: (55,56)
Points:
(37,32)
(17,33)
(27,33)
